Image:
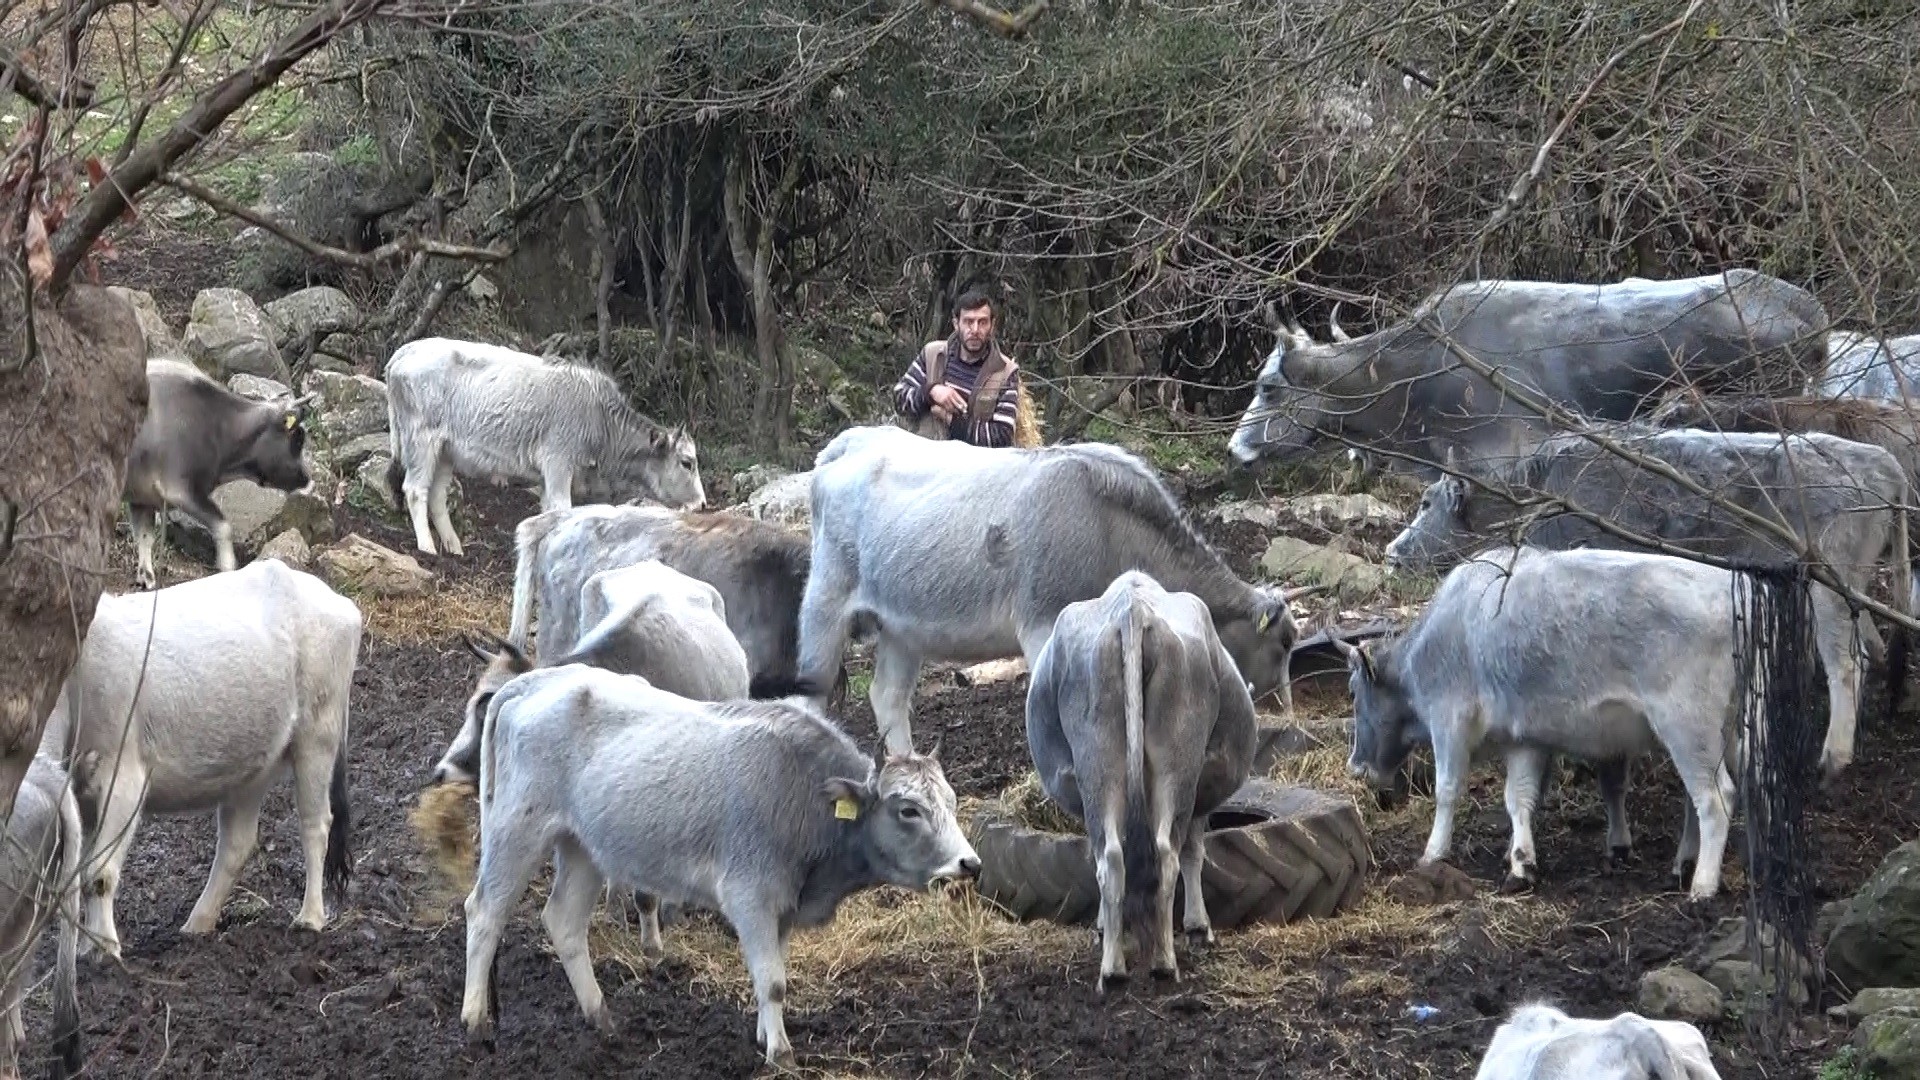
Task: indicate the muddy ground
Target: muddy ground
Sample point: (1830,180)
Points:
(378,994)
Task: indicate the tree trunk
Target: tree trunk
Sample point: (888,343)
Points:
(67,419)
(750,235)
(603,254)
(676,271)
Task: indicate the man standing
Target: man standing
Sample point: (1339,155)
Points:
(963,388)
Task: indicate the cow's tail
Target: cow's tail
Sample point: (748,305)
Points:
(338,867)
(1141,860)
(528,538)
(66,996)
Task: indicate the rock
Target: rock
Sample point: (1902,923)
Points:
(338,365)
(347,456)
(755,477)
(228,335)
(153,327)
(350,405)
(1674,993)
(993,671)
(1337,512)
(1246,510)
(1428,886)
(1889,1045)
(1728,941)
(1876,940)
(483,290)
(1878,999)
(359,565)
(372,475)
(1827,918)
(290,548)
(786,501)
(1298,562)
(1748,987)
(255,388)
(296,312)
(256,514)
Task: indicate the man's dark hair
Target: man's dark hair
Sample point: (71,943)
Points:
(970,300)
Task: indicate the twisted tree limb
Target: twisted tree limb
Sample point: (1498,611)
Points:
(392,251)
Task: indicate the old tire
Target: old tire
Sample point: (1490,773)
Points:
(1274,854)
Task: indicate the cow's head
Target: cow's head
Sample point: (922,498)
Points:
(1385,728)
(1291,413)
(1440,534)
(905,813)
(461,762)
(666,469)
(1262,640)
(272,455)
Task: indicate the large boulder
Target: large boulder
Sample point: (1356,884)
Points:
(159,337)
(256,514)
(1876,940)
(297,312)
(228,335)
(347,457)
(372,475)
(1889,1045)
(787,501)
(1337,513)
(358,565)
(290,548)
(1298,562)
(255,388)
(1674,993)
(349,407)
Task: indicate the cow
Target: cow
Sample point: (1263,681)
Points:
(196,436)
(763,811)
(1539,1042)
(486,410)
(1599,350)
(759,568)
(1140,725)
(1865,366)
(1595,654)
(947,551)
(1842,498)
(198,697)
(647,619)
(40,883)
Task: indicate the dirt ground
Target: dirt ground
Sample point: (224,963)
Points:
(904,986)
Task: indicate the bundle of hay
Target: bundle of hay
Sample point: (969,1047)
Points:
(447,820)
(1026,421)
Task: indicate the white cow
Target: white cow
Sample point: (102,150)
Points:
(485,410)
(198,697)
(1539,1042)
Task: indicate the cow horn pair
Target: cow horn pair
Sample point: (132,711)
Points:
(1301,592)
(1333,324)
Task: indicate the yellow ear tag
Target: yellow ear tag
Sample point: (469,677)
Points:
(293,421)
(845,809)
(1266,620)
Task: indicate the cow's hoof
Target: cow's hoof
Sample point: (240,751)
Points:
(1619,858)
(481,1034)
(199,927)
(1830,770)
(784,1061)
(1517,883)
(1112,981)
(1166,974)
(1199,937)
(605,1024)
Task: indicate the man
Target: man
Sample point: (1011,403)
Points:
(964,387)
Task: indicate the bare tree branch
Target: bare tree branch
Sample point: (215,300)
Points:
(76,93)
(392,251)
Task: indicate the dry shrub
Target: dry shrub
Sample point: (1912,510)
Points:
(458,607)
(447,821)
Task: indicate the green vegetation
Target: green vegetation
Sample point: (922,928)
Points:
(1844,1065)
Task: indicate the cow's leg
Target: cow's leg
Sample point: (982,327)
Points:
(422,463)
(437,507)
(825,622)
(1835,636)
(13,1032)
(1193,863)
(1526,769)
(1709,788)
(238,821)
(119,817)
(508,858)
(312,772)
(896,669)
(649,905)
(1110,870)
(203,510)
(1450,763)
(1615,776)
(146,529)
(765,948)
(556,486)
(1164,963)
(576,885)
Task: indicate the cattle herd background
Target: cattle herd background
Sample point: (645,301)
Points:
(478,614)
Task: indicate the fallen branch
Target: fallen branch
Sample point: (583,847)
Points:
(392,251)
(74,93)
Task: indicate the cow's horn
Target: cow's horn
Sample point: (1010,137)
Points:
(1333,324)
(1272,316)
(302,401)
(1302,591)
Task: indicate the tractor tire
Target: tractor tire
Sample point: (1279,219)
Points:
(1274,854)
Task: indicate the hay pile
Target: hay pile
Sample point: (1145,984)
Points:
(447,820)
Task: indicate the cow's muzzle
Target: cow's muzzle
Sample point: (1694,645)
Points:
(965,868)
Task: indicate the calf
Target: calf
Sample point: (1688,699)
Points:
(198,697)
(196,436)
(40,884)
(1891,426)
(1140,725)
(484,410)
(1598,655)
(763,811)
(1539,1042)
(647,620)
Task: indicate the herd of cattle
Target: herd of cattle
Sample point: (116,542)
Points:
(668,732)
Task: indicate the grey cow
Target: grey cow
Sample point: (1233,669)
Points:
(1598,655)
(956,552)
(759,569)
(1599,350)
(1842,497)
(1539,1042)
(763,811)
(196,436)
(1867,366)
(1140,725)
(40,886)
(647,619)
(485,410)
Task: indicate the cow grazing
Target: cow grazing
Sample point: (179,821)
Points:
(1599,350)
(760,570)
(1140,725)
(1841,497)
(1892,427)
(196,436)
(40,885)
(1539,1042)
(763,811)
(1598,655)
(484,410)
(955,552)
(1865,366)
(647,619)
(198,697)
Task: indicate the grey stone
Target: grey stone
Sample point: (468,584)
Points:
(755,477)
(347,456)
(349,406)
(358,565)
(228,335)
(256,514)
(1336,512)
(1245,510)
(786,501)
(1889,1045)
(1876,939)
(255,388)
(372,475)
(1674,993)
(1298,562)
(294,313)
(1749,988)
(290,548)
(1878,999)
(153,328)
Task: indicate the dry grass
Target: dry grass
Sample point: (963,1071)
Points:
(1025,803)
(447,821)
(458,607)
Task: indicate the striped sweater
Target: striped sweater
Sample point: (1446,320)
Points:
(911,398)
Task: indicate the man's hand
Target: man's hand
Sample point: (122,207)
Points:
(946,397)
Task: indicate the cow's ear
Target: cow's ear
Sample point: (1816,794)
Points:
(850,799)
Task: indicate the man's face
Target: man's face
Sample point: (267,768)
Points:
(975,327)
